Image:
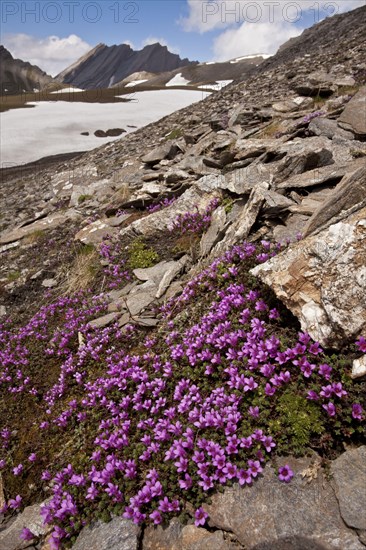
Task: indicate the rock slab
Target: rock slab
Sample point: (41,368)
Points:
(119,534)
(303,514)
(322,280)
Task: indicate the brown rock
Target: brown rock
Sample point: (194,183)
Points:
(321,279)
(348,194)
(354,116)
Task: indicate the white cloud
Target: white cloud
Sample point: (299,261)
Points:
(52,54)
(251,38)
(153,40)
(206,15)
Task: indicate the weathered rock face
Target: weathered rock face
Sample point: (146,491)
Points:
(353,117)
(31,518)
(349,194)
(322,280)
(189,537)
(119,533)
(349,482)
(302,514)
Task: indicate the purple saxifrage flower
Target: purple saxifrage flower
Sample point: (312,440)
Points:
(285,473)
(200,517)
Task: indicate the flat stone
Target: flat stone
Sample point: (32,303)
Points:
(176,537)
(105,320)
(50,222)
(329,128)
(194,165)
(173,176)
(241,227)
(211,183)
(359,368)
(285,106)
(349,193)
(322,280)
(171,272)
(155,273)
(242,181)
(248,148)
(318,176)
(209,239)
(275,203)
(31,518)
(159,153)
(303,514)
(95,232)
(116,221)
(353,117)
(119,534)
(147,322)
(349,482)
(162,274)
(142,296)
(2,313)
(49,283)
(311,203)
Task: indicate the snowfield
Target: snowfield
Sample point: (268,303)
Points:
(52,128)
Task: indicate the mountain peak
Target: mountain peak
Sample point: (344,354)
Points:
(104,66)
(17,76)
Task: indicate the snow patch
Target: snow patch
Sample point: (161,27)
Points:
(253,56)
(67,91)
(178,80)
(217,86)
(135,82)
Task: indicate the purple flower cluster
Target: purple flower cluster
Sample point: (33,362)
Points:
(171,418)
(160,205)
(195,222)
(115,270)
(311,116)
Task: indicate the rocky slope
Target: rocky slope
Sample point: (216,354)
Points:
(17,76)
(279,158)
(105,65)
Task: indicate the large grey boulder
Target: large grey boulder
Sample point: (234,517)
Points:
(303,514)
(322,280)
(349,482)
(119,534)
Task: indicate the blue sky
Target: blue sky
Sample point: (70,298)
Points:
(54,33)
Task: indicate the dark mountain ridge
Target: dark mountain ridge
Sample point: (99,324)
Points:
(105,65)
(17,76)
